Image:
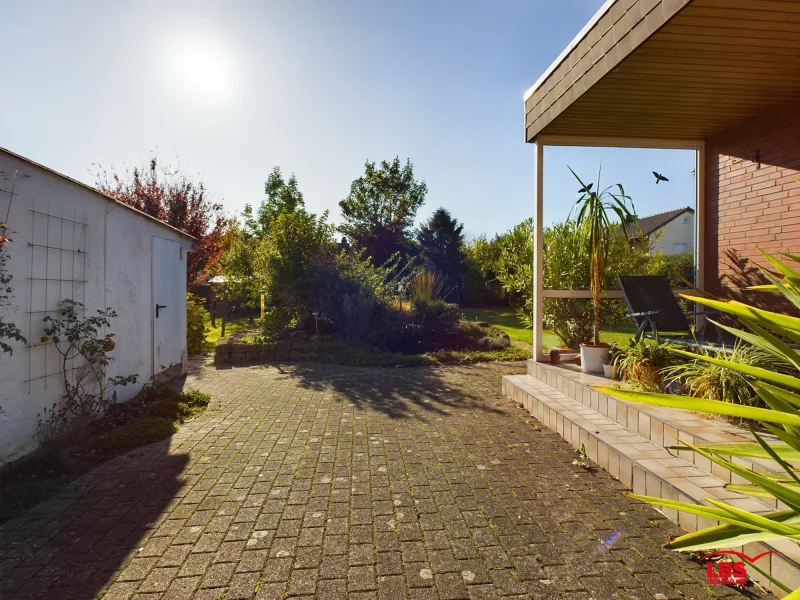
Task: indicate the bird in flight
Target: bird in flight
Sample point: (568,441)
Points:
(659,177)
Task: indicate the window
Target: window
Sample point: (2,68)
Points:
(681,248)
(686,220)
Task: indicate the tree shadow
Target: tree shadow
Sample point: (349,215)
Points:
(741,273)
(400,393)
(72,545)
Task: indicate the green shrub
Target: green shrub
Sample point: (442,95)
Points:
(133,435)
(195,328)
(283,264)
(399,336)
(713,381)
(677,266)
(514,267)
(481,288)
(357,310)
(351,295)
(436,314)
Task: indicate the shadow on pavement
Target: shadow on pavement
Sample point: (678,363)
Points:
(401,393)
(71,546)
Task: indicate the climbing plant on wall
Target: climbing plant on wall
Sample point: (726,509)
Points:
(8,330)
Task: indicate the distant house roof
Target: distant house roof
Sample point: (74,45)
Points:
(95,190)
(652,223)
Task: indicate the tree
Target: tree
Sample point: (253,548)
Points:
(282,196)
(169,195)
(514,267)
(236,265)
(441,241)
(379,211)
(282,264)
(481,257)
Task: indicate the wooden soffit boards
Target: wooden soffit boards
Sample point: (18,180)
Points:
(681,69)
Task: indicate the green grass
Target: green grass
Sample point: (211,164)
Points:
(502,318)
(212,334)
(508,320)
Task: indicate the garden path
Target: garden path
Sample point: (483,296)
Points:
(314,481)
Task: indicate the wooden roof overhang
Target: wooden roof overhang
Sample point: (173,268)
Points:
(671,70)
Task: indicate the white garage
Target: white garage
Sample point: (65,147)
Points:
(72,242)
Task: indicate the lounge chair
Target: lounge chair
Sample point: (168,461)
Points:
(658,315)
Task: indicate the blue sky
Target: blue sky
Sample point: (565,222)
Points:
(229,89)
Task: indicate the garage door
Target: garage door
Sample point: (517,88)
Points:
(168,303)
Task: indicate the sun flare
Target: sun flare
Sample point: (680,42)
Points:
(204,69)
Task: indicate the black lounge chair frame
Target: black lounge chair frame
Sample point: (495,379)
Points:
(654,307)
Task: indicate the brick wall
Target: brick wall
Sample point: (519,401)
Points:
(750,206)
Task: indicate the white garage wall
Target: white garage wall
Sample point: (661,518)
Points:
(70,242)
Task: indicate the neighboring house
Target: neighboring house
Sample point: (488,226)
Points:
(72,242)
(670,232)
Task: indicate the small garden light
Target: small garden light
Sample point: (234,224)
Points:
(315,314)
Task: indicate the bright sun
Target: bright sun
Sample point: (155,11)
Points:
(204,69)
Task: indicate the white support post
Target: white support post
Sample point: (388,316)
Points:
(700,229)
(700,221)
(538,312)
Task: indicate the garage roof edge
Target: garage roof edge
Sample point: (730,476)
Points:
(96,191)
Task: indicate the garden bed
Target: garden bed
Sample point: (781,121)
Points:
(250,348)
(156,413)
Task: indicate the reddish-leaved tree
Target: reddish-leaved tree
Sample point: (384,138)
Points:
(174,198)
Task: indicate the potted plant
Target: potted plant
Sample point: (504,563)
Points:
(641,363)
(592,210)
(555,356)
(610,367)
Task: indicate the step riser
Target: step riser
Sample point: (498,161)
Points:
(662,433)
(648,481)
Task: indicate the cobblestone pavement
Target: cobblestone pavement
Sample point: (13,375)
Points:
(331,482)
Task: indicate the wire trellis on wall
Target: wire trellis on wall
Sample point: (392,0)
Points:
(58,252)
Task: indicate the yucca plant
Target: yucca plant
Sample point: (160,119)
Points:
(701,379)
(593,211)
(771,333)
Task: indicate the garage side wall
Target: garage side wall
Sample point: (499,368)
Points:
(69,242)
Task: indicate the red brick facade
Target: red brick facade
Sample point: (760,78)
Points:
(752,204)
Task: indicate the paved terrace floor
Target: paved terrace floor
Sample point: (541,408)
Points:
(333,482)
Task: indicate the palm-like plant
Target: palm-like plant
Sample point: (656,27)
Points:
(592,212)
(771,333)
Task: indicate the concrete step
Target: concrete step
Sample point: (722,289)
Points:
(662,426)
(644,466)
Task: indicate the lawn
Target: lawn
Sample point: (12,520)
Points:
(212,334)
(507,320)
